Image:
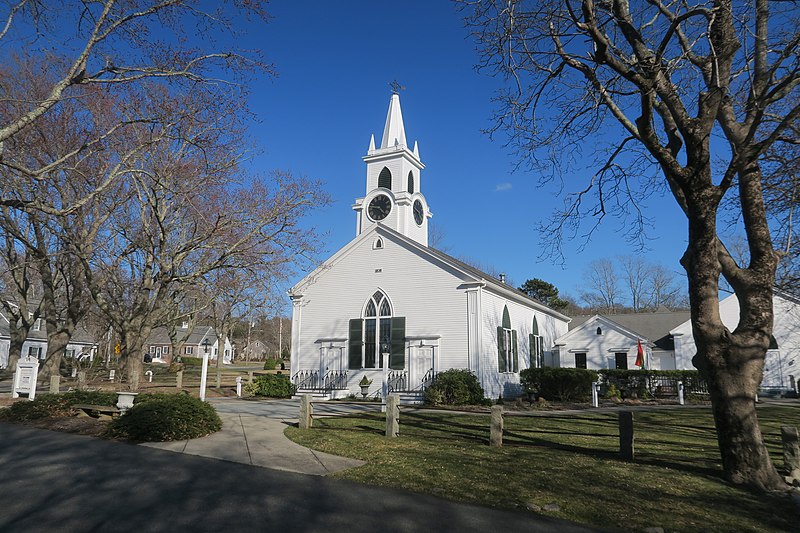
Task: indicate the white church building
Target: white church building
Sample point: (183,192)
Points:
(389,308)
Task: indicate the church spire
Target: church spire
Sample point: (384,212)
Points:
(394,133)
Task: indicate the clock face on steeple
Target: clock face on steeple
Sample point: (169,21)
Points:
(419,212)
(379,207)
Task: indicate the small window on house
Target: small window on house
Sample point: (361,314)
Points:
(152,349)
(35,351)
(188,350)
(580,360)
(621,359)
(378,244)
(165,350)
(599,331)
(411,182)
(385,179)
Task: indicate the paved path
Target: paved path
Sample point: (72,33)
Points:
(58,482)
(252,434)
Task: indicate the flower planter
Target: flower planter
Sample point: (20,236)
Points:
(364,390)
(125,400)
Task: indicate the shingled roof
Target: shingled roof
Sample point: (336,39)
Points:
(654,326)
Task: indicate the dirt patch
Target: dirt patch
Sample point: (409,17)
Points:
(78,425)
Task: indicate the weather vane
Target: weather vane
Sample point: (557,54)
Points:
(396,87)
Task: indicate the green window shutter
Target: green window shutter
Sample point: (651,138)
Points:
(397,359)
(514,352)
(354,349)
(532,351)
(501,350)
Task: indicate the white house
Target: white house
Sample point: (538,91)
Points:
(611,341)
(782,364)
(387,302)
(80,345)
(158,346)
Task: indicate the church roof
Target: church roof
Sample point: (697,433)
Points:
(469,271)
(394,133)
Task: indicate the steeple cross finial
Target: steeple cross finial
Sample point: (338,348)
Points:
(396,87)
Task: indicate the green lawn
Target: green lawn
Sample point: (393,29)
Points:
(570,461)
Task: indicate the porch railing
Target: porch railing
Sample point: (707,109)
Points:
(310,380)
(399,381)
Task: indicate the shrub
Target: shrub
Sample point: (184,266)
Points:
(271,386)
(165,417)
(455,387)
(561,384)
(271,364)
(45,405)
(192,361)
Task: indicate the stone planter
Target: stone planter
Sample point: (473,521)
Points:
(364,390)
(125,400)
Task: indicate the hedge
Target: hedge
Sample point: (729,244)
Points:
(558,384)
(455,387)
(271,386)
(165,417)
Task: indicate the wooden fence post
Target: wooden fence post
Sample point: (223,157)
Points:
(393,416)
(626,435)
(496,428)
(55,384)
(791,450)
(179,379)
(249,376)
(306,412)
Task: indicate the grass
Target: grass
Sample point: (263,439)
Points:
(567,460)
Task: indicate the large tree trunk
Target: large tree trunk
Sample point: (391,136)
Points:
(56,346)
(731,362)
(745,459)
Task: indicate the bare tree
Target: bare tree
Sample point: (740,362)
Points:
(653,83)
(603,284)
(115,45)
(635,272)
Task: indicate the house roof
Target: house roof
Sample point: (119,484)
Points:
(653,327)
(79,336)
(469,272)
(160,335)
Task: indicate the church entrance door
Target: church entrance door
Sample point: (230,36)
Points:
(421,363)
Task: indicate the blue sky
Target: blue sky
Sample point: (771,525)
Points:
(335,61)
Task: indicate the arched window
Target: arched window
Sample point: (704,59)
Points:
(378,244)
(507,360)
(410,182)
(376,334)
(536,346)
(385,179)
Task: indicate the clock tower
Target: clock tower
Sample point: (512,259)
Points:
(393,196)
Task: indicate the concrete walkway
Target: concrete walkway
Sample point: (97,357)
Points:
(258,440)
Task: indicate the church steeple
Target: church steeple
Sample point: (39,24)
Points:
(394,133)
(393,193)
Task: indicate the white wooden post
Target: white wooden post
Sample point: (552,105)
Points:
(595,394)
(239,386)
(204,375)
(680,393)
